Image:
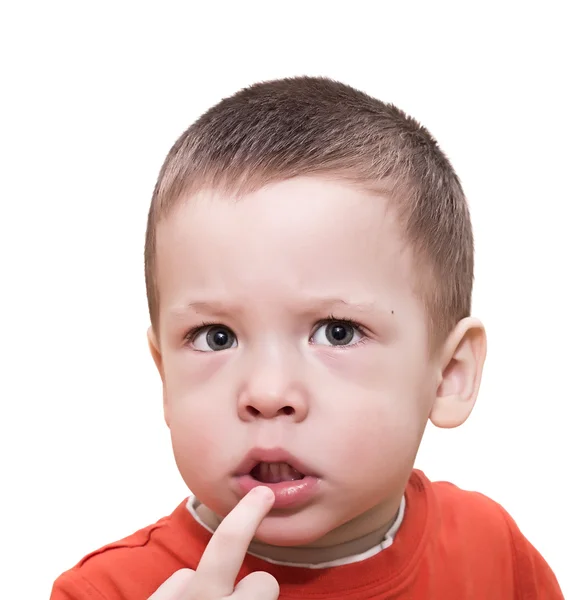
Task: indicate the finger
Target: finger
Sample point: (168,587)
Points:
(257,586)
(221,562)
(174,587)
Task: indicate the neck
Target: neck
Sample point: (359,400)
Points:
(358,535)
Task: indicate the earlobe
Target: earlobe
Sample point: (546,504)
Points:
(462,367)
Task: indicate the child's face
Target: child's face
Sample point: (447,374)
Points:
(271,269)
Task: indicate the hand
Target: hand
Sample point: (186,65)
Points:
(220,564)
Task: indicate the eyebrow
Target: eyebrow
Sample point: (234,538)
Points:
(323,304)
(311,305)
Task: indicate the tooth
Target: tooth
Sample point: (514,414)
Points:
(275,472)
(282,471)
(295,475)
(264,472)
(288,473)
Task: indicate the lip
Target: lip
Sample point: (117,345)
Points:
(287,494)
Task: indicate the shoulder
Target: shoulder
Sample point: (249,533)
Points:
(465,505)
(135,566)
(463,522)
(455,506)
(474,516)
(480,532)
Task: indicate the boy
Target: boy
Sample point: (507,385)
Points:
(309,268)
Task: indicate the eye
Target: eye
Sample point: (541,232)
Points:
(212,338)
(337,333)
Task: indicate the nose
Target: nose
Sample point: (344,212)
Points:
(272,390)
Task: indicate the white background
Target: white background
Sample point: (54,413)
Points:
(94,94)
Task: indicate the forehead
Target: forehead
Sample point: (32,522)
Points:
(306,235)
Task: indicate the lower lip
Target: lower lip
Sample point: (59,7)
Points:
(288,494)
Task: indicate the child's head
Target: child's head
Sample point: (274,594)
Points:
(309,267)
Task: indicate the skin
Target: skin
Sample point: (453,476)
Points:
(219,566)
(273,267)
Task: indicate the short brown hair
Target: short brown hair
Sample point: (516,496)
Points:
(281,129)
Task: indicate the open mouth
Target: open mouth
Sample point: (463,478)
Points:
(275,472)
(293,484)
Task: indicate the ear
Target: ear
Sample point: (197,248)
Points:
(462,359)
(155,352)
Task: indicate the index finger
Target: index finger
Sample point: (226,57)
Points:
(220,563)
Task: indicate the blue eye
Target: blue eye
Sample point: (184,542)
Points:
(213,338)
(337,333)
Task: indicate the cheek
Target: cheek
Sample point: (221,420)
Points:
(201,417)
(199,435)
(201,461)
(375,409)
(377,437)
(395,370)
(375,383)
(197,402)
(195,441)
(188,370)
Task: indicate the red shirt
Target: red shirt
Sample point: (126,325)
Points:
(452,545)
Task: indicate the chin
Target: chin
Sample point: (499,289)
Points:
(291,530)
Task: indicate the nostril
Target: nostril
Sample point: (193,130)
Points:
(254,412)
